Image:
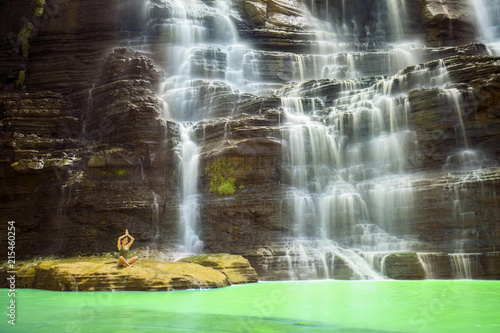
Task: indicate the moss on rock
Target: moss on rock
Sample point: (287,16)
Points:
(105,275)
(236,268)
(404,266)
(222,180)
(101,273)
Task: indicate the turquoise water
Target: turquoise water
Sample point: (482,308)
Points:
(304,306)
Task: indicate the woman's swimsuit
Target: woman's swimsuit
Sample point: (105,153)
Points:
(124,251)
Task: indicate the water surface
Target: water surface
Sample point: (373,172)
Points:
(304,306)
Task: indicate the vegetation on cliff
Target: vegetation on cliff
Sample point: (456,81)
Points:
(222,180)
(38,7)
(24,36)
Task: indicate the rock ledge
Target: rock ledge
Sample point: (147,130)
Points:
(236,268)
(104,275)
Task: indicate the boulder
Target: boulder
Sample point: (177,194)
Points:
(236,268)
(404,266)
(341,270)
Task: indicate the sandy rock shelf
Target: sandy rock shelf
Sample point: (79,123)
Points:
(105,275)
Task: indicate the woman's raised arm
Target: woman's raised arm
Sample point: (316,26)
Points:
(119,242)
(131,238)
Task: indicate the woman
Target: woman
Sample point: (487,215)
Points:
(123,247)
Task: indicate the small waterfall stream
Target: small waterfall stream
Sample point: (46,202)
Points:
(189,215)
(488,18)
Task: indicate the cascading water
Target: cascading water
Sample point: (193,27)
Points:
(346,170)
(398,15)
(345,157)
(488,20)
(194,57)
(464,266)
(189,215)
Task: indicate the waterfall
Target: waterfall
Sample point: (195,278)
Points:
(348,191)
(488,19)
(189,215)
(397,16)
(155,218)
(464,266)
(198,59)
(454,97)
(344,116)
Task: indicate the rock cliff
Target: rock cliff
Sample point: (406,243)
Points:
(89,146)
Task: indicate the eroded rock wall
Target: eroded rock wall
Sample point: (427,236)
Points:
(87,152)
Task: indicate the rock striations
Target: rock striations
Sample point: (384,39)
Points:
(88,146)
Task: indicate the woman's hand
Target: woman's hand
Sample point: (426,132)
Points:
(131,239)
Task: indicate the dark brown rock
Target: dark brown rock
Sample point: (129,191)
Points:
(86,149)
(438,122)
(341,270)
(404,266)
(456,207)
(448,22)
(436,265)
(491,266)
(252,215)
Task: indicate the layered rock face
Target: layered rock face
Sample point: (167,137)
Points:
(94,103)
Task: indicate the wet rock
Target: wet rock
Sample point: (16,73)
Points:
(404,266)
(251,146)
(473,49)
(275,14)
(445,198)
(491,266)
(448,22)
(436,265)
(269,265)
(115,157)
(275,24)
(466,265)
(236,268)
(123,106)
(209,63)
(64,161)
(438,122)
(341,270)
(45,113)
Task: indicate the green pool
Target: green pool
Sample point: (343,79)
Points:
(305,306)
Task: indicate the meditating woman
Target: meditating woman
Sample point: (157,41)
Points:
(123,247)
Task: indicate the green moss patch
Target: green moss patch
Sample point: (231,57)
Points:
(24,36)
(21,78)
(222,180)
(121,172)
(38,7)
